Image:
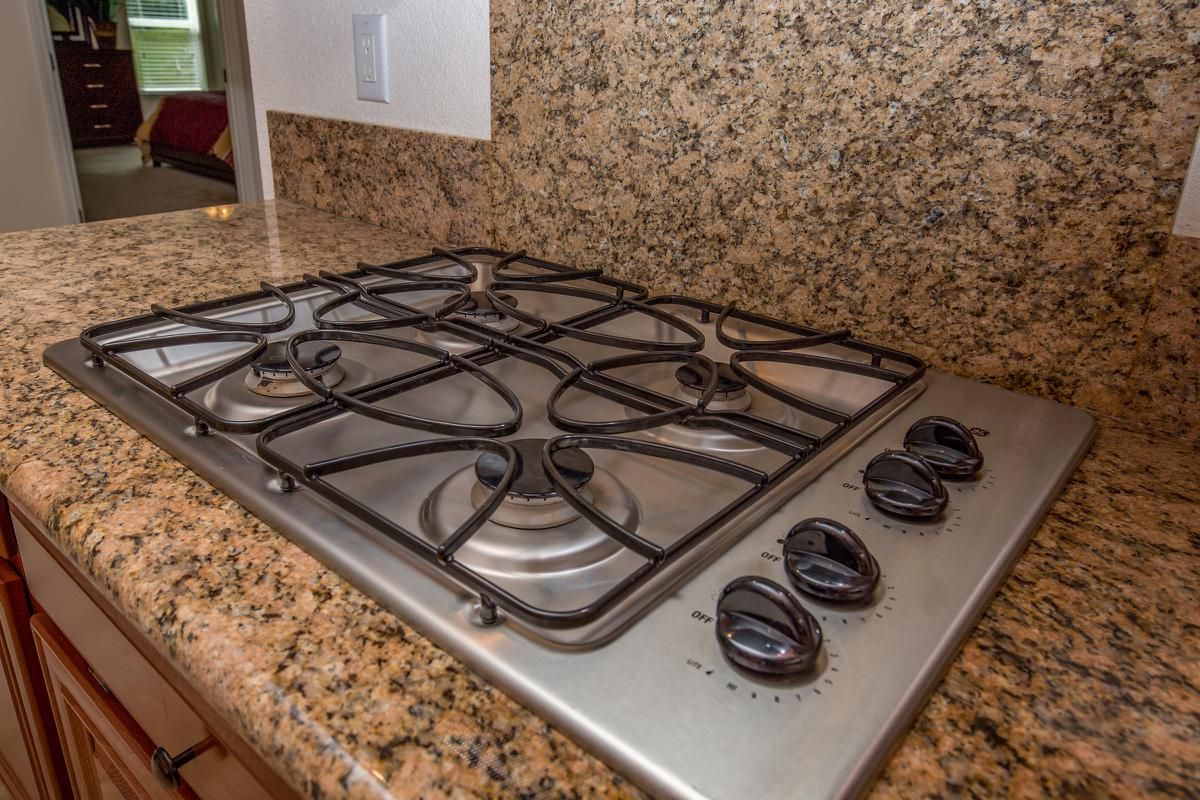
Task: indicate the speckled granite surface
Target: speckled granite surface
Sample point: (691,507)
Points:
(1080,680)
(420,183)
(989,185)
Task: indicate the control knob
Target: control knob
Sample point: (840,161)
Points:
(827,560)
(946,444)
(763,629)
(904,484)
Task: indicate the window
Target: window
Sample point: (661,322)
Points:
(168,55)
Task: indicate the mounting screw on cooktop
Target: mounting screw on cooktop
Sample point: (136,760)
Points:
(904,484)
(946,444)
(763,629)
(827,560)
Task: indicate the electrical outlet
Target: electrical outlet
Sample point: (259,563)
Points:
(370,57)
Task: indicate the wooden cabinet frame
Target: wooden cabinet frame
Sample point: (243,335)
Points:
(107,753)
(8,539)
(23,682)
(30,536)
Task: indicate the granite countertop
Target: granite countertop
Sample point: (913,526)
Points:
(1081,679)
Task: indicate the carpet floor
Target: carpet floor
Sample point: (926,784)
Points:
(114,183)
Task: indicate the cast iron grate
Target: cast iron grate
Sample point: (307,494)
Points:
(111,343)
(657,410)
(514,273)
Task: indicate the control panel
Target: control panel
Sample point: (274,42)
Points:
(811,585)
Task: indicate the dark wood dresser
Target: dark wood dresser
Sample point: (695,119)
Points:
(100,92)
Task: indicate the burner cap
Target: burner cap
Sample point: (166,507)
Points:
(481,309)
(316,358)
(729,384)
(729,395)
(531,480)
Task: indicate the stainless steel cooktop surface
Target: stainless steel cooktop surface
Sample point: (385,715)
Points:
(730,554)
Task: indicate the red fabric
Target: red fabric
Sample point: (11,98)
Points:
(192,122)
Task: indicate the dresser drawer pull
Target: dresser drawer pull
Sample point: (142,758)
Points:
(92,66)
(166,767)
(98,105)
(102,127)
(95,86)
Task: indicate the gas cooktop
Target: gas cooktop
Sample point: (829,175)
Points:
(689,535)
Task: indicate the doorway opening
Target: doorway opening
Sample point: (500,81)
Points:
(146,93)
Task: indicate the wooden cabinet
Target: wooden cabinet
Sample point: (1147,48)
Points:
(108,755)
(115,700)
(28,761)
(100,94)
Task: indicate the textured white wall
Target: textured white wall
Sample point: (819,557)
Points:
(302,60)
(31,173)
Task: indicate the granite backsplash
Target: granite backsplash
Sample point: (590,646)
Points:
(989,185)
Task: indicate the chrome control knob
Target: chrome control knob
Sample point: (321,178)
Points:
(763,629)
(946,444)
(904,484)
(827,560)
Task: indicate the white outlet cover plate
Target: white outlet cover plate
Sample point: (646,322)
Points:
(370,57)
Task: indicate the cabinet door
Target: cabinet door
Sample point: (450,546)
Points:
(28,767)
(108,754)
(138,684)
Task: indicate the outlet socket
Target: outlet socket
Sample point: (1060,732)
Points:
(370,57)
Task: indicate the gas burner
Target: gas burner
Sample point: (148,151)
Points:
(733,395)
(532,501)
(516,545)
(272,375)
(482,310)
(730,395)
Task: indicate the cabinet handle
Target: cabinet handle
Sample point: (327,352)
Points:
(95,86)
(166,767)
(98,105)
(102,127)
(91,66)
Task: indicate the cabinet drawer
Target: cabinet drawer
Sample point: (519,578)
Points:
(108,755)
(138,687)
(109,68)
(98,91)
(108,117)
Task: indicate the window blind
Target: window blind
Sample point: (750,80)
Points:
(157,9)
(168,55)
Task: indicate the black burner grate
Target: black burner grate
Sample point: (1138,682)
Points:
(543,344)
(111,342)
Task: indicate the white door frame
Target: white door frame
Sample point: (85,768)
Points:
(239,97)
(46,74)
(238,92)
